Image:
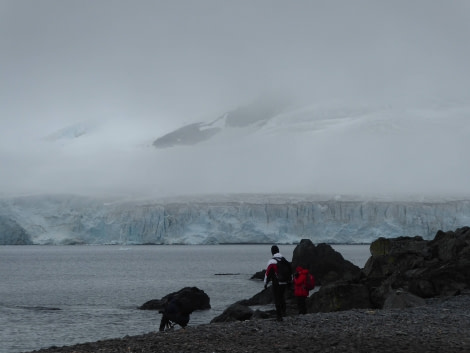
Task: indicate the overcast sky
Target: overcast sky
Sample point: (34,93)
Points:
(148,67)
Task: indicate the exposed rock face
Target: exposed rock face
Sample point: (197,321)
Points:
(440,267)
(191,298)
(187,135)
(387,254)
(447,246)
(388,246)
(325,263)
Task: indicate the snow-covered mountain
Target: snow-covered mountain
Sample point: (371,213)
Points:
(358,120)
(242,120)
(326,148)
(222,219)
(270,146)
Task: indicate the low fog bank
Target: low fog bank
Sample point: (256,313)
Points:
(340,150)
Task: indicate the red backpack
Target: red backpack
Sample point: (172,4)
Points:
(310,282)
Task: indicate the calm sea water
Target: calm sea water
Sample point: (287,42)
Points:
(62,295)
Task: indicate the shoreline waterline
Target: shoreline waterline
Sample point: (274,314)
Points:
(440,325)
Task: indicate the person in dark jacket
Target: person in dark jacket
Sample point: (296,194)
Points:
(173,314)
(279,288)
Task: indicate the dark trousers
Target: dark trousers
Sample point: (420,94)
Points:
(302,305)
(164,323)
(279,300)
(172,313)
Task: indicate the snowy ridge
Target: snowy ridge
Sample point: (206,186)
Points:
(261,118)
(270,146)
(80,220)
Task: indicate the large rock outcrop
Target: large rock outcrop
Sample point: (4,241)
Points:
(402,272)
(191,298)
(325,263)
(339,296)
(440,267)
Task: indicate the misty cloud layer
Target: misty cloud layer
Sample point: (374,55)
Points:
(130,72)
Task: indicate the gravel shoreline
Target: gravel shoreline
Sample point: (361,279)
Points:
(443,325)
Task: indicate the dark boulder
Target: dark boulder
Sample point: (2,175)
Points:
(400,300)
(448,245)
(259,275)
(440,267)
(390,246)
(387,254)
(191,298)
(261,315)
(262,298)
(266,297)
(339,296)
(391,262)
(235,312)
(325,263)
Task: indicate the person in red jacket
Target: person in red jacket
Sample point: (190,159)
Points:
(300,288)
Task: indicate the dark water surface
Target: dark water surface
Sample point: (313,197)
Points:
(62,295)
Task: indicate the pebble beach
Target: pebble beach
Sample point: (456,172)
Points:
(442,325)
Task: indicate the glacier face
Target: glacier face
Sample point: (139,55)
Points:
(82,220)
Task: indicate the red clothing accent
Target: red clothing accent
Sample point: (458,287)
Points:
(300,282)
(271,271)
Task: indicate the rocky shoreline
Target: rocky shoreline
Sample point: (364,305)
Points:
(442,325)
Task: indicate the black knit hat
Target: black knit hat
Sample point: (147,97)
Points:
(274,249)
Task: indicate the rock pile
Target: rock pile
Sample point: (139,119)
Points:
(400,273)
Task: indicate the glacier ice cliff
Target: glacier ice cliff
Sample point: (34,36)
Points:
(81,220)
